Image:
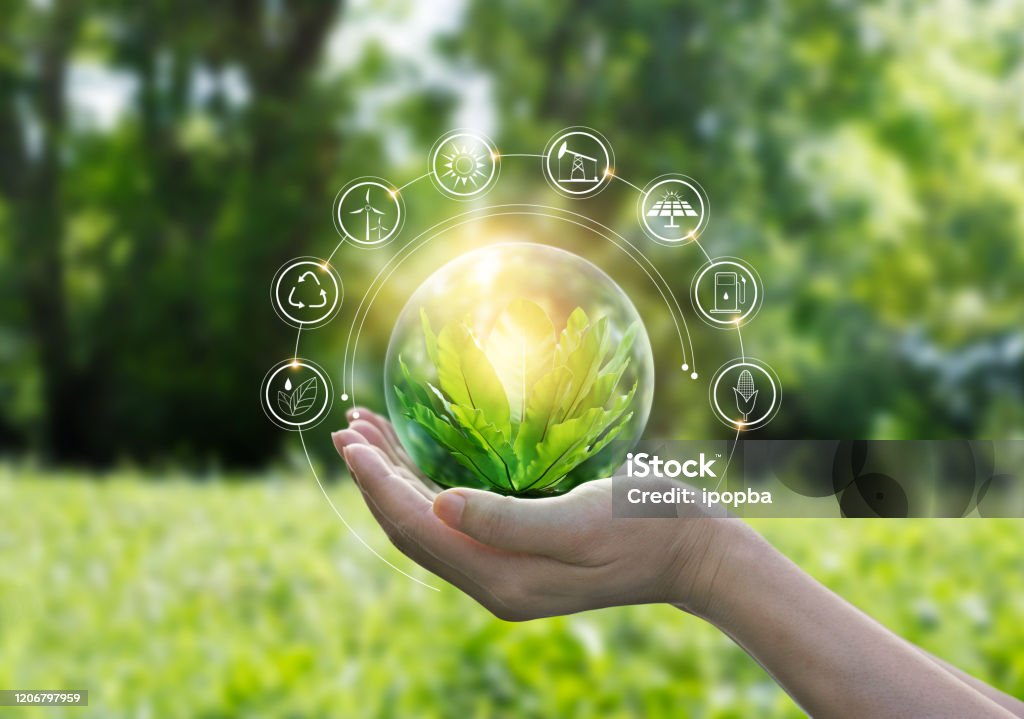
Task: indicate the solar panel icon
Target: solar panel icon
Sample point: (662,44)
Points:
(673,210)
(671,205)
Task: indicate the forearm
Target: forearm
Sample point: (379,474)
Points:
(834,660)
(1012,705)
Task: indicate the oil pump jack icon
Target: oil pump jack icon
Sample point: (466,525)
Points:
(368,209)
(300,304)
(582,168)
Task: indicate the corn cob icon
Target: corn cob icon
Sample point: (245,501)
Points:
(746,395)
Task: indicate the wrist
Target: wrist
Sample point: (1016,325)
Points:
(716,576)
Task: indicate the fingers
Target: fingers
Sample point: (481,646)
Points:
(348,437)
(371,430)
(410,513)
(533,526)
(382,434)
(394,454)
(502,582)
(380,423)
(415,552)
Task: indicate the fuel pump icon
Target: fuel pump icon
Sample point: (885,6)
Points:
(730,293)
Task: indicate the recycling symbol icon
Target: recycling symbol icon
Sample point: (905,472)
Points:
(299,304)
(306,292)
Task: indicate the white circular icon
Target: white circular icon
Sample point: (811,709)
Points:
(369,211)
(296,394)
(745,394)
(464,164)
(578,162)
(727,292)
(673,209)
(306,292)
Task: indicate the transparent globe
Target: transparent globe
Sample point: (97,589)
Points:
(519,368)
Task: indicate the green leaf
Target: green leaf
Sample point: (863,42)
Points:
(467,377)
(545,400)
(585,363)
(469,452)
(418,391)
(521,347)
(611,433)
(562,447)
(569,340)
(564,407)
(473,422)
(608,378)
(428,337)
(595,448)
(620,359)
(572,442)
(483,436)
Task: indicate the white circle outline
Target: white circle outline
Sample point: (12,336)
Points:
(768,415)
(492,153)
(755,305)
(695,187)
(602,142)
(275,292)
(369,181)
(305,424)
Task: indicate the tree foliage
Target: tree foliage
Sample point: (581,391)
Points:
(866,157)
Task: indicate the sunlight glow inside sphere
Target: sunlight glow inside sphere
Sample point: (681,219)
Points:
(519,368)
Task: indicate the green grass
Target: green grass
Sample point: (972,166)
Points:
(169,598)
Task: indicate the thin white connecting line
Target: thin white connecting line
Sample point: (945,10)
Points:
(349,526)
(697,242)
(739,335)
(334,251)
(413,182)
(623,179)
(725,472)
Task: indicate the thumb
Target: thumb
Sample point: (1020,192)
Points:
(533,526)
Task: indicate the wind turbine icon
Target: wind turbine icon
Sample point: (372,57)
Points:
(368,209)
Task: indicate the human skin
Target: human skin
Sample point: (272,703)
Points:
(525,559)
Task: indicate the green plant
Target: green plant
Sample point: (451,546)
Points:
(522,408)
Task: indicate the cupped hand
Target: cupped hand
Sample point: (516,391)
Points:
(529,558)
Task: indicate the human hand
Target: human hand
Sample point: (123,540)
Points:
(530,558)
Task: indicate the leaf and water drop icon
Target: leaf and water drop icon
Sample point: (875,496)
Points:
(294,402)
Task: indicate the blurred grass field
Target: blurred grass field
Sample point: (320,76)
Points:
(220,599)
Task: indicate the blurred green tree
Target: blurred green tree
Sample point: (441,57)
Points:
(141,255)
(865,156)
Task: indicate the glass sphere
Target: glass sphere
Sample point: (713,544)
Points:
(519,368)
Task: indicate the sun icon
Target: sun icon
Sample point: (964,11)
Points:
(463,165)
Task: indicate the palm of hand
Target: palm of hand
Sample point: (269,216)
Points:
(522,559)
